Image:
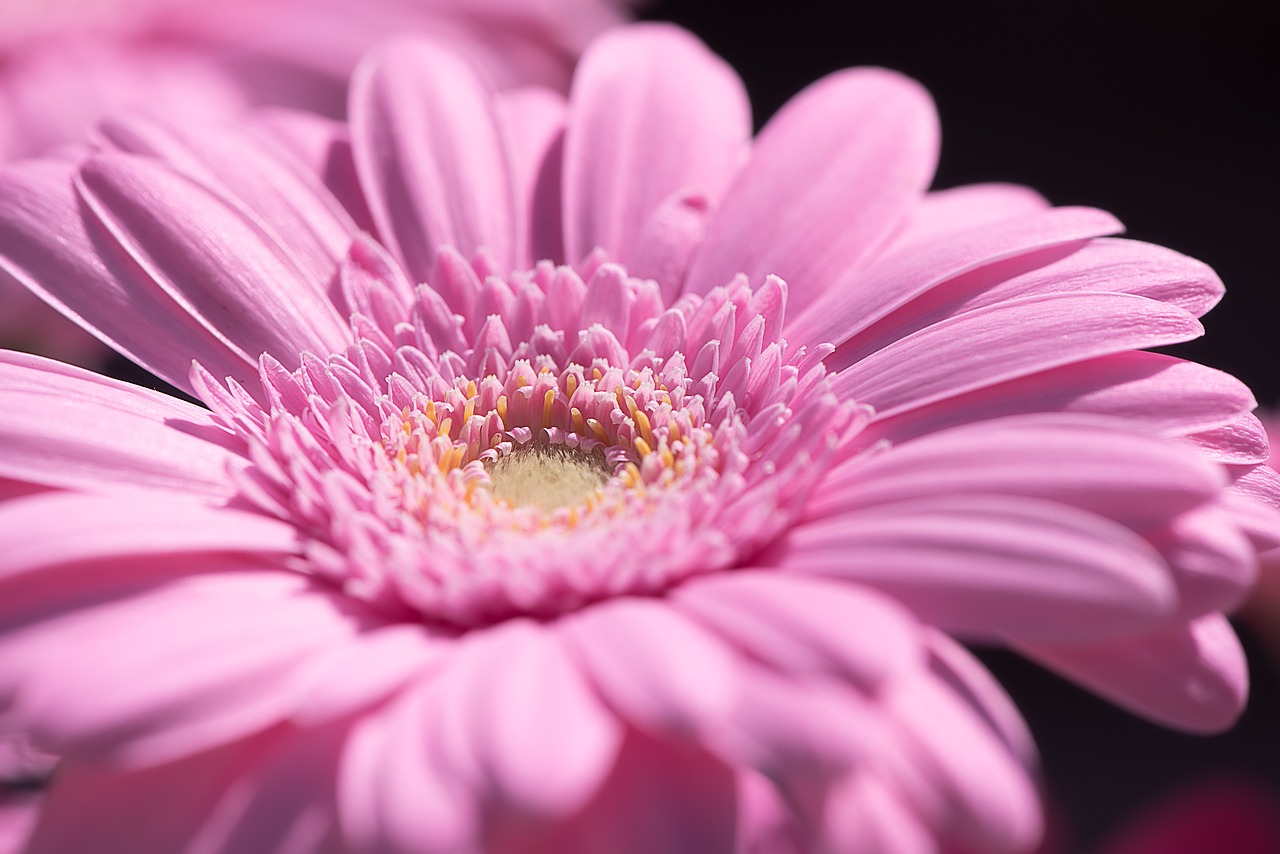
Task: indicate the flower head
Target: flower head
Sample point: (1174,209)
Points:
(589,476)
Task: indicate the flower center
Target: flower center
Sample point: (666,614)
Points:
(473,475)
(547,476)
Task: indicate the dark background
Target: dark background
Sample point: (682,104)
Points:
(1167,119)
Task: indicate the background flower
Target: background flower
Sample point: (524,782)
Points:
(1128,570)
(66,63)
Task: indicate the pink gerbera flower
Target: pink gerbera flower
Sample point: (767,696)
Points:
(589,476)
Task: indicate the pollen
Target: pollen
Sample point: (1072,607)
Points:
(547,477)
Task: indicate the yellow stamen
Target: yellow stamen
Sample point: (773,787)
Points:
(521,382)
(642,421)
(469,410)
(547,400)
(502,411)
(430,411)
(446,426)
(642,447)
(570,384)
(668,459)
(579,426)
(598,429)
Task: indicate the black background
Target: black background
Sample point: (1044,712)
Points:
(1167,119)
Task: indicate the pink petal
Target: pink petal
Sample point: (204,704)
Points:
(657,668)
(945,212)
(92,526)
(806,625)
(215,261)
(47,245)
(804,731)
(865,813)
(1123,266)
(1192,677)
(1211,558)
(368,667)
(287,203)
(987,799)
(1240,442)
(1153,392)
(669,240)
(271,792)
(957,669)
(988,566)
(856,303)
(875,133)
(661,797)
(1107,265)
(431,157)
(1254,500)
(67,427)
(653,113)
(322,147)
(1019,338)
(533,119)
(393,793)
(541,738)
(1092,463)
(174,669)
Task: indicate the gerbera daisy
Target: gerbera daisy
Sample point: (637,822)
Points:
(584,475)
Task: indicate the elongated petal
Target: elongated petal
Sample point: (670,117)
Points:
(60,527)
(66,427)
(50,244)
(1240,441)
(653,113)
(540,736)
(802,625)
(1018,338)
(268,792)
(945,212)
(1192,677)
(431,156)
(533,119)
(987,798)
(393,792)
(1092,463)
(171,675)
(662,796)
(983,567)
(289,205)
(875,134)
(214,260)
(1122,266)
(659,669)
(960,671)
(894,281)
(368,667)
(1151,391)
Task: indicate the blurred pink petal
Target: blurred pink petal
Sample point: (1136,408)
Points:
(519,537)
